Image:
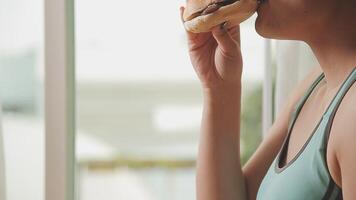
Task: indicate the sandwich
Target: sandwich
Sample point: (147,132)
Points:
(202,15)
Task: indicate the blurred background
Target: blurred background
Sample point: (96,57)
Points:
(139,102)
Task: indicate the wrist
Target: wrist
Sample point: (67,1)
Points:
(231,90)
(223,96)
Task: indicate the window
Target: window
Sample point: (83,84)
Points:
(139,102)
(21,94)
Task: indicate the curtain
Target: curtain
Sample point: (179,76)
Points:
(2,161)
(294,61)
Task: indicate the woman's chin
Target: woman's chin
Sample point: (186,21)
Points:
(265,24)
(273,31)
(261,24)
(262,29)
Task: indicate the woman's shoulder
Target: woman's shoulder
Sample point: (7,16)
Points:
(342,138)
(344,121)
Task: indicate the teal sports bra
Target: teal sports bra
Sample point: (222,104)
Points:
(306,176)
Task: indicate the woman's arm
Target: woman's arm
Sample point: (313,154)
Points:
(219,174)
(217,61)
(341,146)
(345,154)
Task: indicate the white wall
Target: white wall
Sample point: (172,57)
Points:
(24,153)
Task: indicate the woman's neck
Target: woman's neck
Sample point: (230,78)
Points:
(335,46)
(336,53)
(336,60)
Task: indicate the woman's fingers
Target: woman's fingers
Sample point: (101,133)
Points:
(190,35)
(228,38)
(225,39)
(195,40)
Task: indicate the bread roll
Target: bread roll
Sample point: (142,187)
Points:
(231,11)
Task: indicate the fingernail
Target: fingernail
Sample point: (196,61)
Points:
(223,26)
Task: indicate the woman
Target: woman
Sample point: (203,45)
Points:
(309,152)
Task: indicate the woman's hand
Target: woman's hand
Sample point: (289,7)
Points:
(216,56)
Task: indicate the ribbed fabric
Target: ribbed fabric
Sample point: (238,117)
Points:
(307,175)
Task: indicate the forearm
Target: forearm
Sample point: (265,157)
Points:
(219,174)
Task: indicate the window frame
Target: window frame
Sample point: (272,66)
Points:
(59,100)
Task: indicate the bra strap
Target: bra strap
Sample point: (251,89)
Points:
(330,114)
(300,103)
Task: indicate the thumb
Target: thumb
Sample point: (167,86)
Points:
(224,39)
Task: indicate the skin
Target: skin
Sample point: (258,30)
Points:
(327,26)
